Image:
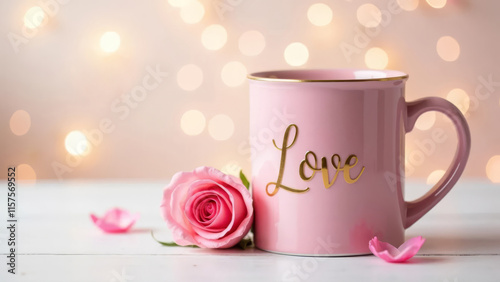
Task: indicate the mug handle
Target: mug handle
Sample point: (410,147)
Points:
(416,209)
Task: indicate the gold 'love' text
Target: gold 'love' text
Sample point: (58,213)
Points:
(310,162)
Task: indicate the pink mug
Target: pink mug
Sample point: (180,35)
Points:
(328,159)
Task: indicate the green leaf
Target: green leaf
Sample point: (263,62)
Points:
(244,180)
(245,243)
(171,244)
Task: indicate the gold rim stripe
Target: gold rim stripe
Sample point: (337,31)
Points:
(275,79)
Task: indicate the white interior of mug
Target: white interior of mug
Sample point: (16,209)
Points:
(328,75)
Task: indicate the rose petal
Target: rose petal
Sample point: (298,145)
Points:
(220,216)
(390,253)
(241,210)
(410,248)
(172,213)
(115,221)
(226,213)
(198,193)
(238,208)
(221,219)
(240,230)
(206,210)
(235,186)
(230,240)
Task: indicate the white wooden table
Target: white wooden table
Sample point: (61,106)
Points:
(58,242)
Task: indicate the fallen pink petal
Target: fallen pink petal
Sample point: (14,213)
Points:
(390,253)
(115,220)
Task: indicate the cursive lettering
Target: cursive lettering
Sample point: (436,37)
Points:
(336,163)
(310,162)
(278,184)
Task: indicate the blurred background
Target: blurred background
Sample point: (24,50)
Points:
(143,89)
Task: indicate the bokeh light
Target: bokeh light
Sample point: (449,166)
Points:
(319,14)
(193,12)
(20,122)
(34,17)
(376,58)
(296,54)
(251,43)
(25,174)
(190,77)
(76,143)
(232,168)
(193,122)
(426,121)
(233,74)
(214,37)
(369,15)
(448,48)
(408,5)
(221,127)
(437,4)
(110,42)
(493,169)
(460,99)
(434,176)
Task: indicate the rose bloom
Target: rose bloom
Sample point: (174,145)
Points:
(207,208)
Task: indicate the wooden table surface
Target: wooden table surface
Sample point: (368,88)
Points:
(56,241)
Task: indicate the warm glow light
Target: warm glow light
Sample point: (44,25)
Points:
(76,143)
(34,17)
(193,122)
(20,122)
(319,14)
(193,12)
(493,169)
(25,174)
(448,48)
(434,176)
(110,42)
(408,5)
(296,54)
(376,58)
(189,77)
(460,99)
(233,74)
(214,37)
(221,127)
(251,43)
(232,168)
(426,121)
(438,4)
(369,15)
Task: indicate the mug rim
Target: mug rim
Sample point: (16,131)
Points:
(300,75)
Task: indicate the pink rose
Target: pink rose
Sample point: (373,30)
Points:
(207,208)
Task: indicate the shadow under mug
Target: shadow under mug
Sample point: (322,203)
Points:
(328,159)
